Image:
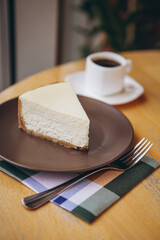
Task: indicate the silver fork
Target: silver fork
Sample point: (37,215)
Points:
(125,162)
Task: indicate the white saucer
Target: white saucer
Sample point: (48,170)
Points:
(132,89)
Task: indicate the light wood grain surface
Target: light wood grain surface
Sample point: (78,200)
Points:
(137,214)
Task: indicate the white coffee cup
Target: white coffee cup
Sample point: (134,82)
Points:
(106,80)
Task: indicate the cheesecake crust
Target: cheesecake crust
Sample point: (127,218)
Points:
(63,143)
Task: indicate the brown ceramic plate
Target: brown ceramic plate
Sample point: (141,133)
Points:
(111,134)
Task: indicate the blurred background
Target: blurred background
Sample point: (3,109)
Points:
(38,34)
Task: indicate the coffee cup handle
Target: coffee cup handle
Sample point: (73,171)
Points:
(128,65)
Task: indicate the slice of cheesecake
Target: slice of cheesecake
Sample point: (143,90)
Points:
(54,112)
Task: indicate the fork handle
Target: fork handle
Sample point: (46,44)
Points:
(39,199)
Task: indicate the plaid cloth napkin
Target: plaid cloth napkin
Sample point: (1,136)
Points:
(89,198)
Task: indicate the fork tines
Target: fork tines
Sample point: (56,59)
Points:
(141,148)
(138,152)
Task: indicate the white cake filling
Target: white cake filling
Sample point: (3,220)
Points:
(58,116)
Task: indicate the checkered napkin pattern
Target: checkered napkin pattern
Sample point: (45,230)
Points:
(92,196)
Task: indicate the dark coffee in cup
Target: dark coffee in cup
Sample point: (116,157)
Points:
(105,62)
(105,73)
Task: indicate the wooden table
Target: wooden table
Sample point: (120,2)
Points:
(137,214)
